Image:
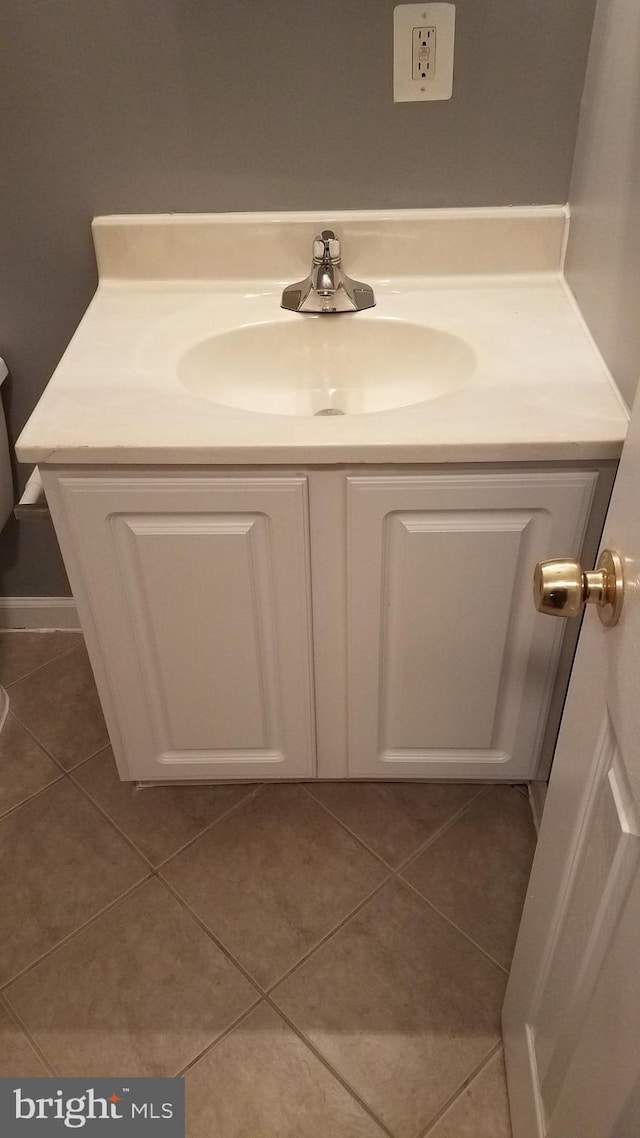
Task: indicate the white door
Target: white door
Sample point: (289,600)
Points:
(572,1013)
(450,669)
(194,592)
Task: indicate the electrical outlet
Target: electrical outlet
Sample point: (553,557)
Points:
(423,39)
(423,53)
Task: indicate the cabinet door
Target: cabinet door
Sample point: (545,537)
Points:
(194,594)
(450,668)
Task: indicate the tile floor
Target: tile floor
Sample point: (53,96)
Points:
(317,960)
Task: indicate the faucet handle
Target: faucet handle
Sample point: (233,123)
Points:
(326,247)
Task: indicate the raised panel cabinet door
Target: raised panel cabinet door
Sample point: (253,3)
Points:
(450,669)
(197,590)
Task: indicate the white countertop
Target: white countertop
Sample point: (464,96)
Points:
(539,389)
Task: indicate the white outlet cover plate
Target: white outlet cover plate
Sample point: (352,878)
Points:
(406,17)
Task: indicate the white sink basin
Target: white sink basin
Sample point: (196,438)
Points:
(310,364)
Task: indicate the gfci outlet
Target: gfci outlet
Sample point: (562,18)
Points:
(423,53)
(423,39)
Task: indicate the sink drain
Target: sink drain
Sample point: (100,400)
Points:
(329,411)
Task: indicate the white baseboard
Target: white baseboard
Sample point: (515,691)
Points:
(39,612)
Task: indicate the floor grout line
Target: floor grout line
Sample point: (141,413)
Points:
(344,826)
(251,794)
(268,1002)
(13,1015)
(265,993)
(504,971)
(219,1039)
(49,753)
(4,987)
(443,829)
(270,988)
(361,905)
(110,822)
(329,1067)
(93,755)
(433,837)
(87,759)
(470,1078)
(67,652)
(327,936)
(153,875)
(212,936)
(32,735)
(246,798)
(354,913)
(30,797)
(397,874)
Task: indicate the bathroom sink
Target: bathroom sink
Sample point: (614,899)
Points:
(312,365)
(474,351)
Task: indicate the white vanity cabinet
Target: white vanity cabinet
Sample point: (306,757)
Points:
(331,623)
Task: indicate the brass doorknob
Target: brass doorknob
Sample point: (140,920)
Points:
(562,588)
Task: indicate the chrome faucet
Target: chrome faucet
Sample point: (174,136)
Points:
(327,289)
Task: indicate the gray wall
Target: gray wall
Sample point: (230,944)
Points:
(603,256)
(143,105)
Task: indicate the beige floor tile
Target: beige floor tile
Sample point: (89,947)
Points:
(60,863)
(400,1004)
(158,819)
(142,991)
(394,818)
(477,872)
(261,1081)
(23,652)
(482,1110)
(274,878)
(17,1056)
(59,704)
(24,767)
